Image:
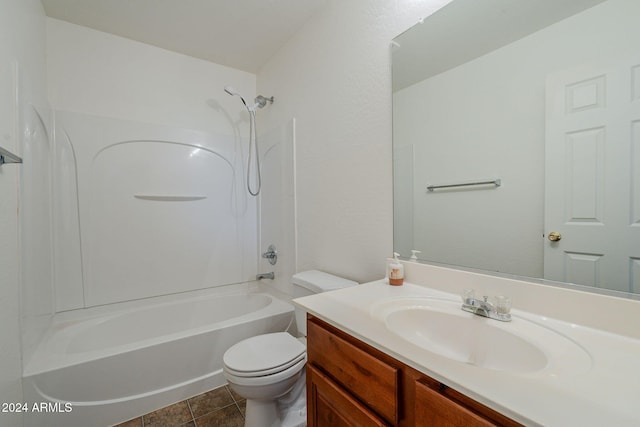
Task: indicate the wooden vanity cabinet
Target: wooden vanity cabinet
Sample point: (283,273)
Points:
(350,383)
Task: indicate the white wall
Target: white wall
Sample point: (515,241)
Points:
(96,73)
(122,84)
(486,119)
(22,43)
(334,76)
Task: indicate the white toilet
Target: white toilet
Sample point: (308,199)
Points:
(268,370)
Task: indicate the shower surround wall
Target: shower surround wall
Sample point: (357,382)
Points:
(22,66)
(157,150)
(162,210)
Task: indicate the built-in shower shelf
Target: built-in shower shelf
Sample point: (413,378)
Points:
(168,198)
(8,157)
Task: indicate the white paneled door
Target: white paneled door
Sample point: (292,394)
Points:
(592,188)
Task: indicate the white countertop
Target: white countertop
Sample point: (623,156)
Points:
(605,394)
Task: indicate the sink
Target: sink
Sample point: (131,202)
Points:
(520,346)
(471,340)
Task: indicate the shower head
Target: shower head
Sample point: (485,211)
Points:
(260,100)
(231,91)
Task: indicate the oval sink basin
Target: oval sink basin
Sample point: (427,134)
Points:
(468,340)
(519,346)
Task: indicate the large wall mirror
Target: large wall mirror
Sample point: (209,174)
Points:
(516,139)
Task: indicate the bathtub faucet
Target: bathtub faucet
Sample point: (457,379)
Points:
(261,276)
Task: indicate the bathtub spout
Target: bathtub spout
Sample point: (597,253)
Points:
(265,276)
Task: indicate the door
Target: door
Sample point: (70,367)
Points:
(592,170)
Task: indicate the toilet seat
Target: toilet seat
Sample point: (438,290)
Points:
(263,355)
(293,372)
(266,372)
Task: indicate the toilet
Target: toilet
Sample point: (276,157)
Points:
(268,369)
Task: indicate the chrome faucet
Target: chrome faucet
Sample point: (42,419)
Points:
(261,276)
(483,307)
(271,254)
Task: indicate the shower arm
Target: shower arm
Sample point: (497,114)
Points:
(261,101)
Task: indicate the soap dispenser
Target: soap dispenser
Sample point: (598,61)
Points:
(396,271)
(414,255)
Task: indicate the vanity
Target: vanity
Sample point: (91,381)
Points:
(372,388)
(410,356)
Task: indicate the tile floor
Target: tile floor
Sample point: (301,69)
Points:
(220,407)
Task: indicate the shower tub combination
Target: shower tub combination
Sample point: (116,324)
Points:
(104,365)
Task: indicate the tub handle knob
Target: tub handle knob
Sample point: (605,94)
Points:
(271,255)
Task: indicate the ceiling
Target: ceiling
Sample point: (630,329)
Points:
(241,34)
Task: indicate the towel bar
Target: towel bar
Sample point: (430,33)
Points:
(496,182)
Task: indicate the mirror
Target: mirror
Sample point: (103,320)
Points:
(534,107)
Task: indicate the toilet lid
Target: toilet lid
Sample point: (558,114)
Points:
(264,354)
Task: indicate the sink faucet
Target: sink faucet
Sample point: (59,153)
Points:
(483,307)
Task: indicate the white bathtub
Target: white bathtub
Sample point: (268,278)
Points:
(110,364)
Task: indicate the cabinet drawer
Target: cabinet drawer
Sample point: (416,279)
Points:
(434,409)
(372,381)
(330,405)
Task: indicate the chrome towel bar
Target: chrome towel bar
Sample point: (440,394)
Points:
(496,182)
(168,198)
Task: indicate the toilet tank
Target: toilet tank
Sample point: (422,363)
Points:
(314,282)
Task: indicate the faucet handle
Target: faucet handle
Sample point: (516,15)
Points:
(502,304)
(468,295)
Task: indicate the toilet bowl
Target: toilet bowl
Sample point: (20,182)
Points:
(268,370)
(262,369)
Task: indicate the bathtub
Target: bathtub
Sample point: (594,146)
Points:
(98,367)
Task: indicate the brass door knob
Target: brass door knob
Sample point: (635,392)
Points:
(554,236)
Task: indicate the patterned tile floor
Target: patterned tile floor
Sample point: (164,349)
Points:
(220,407)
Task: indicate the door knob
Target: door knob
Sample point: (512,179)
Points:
(554,236)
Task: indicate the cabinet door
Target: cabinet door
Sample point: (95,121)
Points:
(369,378)
(328,405)
(433,409)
